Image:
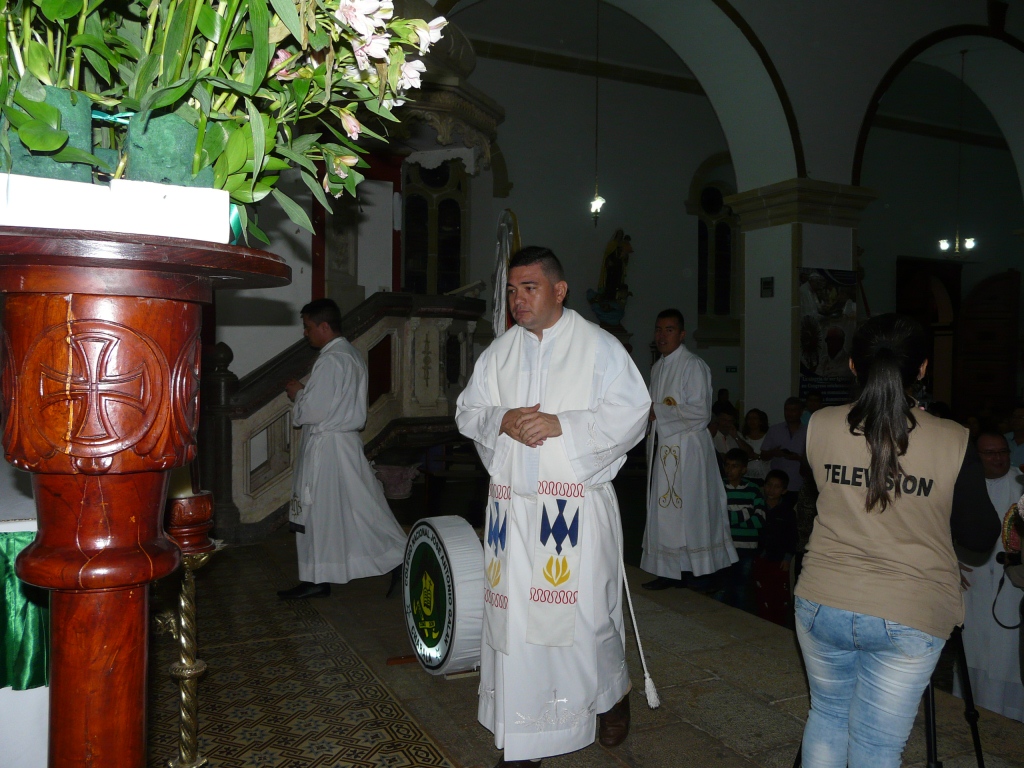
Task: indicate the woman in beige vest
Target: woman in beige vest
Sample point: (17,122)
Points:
(879,593)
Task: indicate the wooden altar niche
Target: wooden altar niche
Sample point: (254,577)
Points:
(100,385)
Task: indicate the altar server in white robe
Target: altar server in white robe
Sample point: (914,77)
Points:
(345,529)
(687,513)
(992,651)
(553,406)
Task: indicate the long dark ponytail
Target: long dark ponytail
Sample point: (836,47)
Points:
(887,352)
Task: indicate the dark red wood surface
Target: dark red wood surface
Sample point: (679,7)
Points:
(99,374)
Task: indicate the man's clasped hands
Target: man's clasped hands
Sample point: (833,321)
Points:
(530,426)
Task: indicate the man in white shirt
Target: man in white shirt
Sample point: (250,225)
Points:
(992,650)
(345,529)
(553,406)
(687,513)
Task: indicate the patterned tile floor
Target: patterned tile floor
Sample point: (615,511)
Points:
(283,689)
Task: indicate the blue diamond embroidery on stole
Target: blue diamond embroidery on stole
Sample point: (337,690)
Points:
(560,530)
(495,535)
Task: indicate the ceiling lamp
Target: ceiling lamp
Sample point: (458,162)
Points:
(968,243)
(598,201)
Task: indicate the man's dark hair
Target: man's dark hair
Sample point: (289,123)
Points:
(536,254)
(674,314)
(726,407)
(780,475)
(793,401)
(738,455)
(995,434)
(323,311)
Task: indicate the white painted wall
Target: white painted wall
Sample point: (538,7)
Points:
(651,144)
(258,324)
(768,329)
(376,220)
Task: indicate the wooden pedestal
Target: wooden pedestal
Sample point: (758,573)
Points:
(99,371)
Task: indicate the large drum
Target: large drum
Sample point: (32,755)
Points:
(444,594)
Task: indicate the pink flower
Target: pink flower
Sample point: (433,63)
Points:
(410,74)
(350,124)
(280,58)
(431,33)
(376,47)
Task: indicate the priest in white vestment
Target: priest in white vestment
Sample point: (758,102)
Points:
(344,527)
(553,406)
(687,515)
(993,659)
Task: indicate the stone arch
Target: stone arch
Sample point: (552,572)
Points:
(993,73)
(737,75)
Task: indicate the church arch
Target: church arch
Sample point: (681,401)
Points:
(993,74)
(737,75)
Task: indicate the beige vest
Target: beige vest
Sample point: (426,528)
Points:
(898,564)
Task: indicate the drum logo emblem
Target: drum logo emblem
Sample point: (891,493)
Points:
(429,596)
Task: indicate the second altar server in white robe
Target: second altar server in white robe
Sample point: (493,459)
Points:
(553,406)
(687,516)
(345,529)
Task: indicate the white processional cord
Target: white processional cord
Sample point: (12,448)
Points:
(649,690)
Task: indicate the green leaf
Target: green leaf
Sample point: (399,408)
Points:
(285,9)
(164,97)
(40,110)
(241,42)
(300,89)
(269,164)
(259,136)
(145,73)
(258,233)
(259,25)
(38,61)
(304,142)
(319,39)
(30,88)
(210,23)
(237,150)
(317,190)
(220,172)
(100,67)
(294,211)
(58,10)
(75,155)
(200,94)
(96,44)
(174,44)
(297,159)
(16,116)
(41,137)
(215,140)
(234,182)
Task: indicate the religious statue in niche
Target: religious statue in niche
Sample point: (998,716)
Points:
(608,302)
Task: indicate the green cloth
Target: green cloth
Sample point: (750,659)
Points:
(24,621)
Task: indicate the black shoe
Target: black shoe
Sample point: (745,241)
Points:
(305,589)
(503,763)
(396,582)
(662,583)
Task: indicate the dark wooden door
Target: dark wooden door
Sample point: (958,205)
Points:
(985,379)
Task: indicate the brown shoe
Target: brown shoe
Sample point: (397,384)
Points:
(613,725)
(503,763)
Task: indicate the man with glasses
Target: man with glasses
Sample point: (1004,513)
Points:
(992,647)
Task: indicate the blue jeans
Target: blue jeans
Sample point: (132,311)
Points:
(866,677)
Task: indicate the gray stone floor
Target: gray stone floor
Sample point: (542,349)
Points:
(732,686)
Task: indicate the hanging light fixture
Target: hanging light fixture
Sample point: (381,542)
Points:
(968,243)
(598,201)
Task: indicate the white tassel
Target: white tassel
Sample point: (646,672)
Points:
(653,701)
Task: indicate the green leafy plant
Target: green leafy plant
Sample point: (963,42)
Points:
(267,85)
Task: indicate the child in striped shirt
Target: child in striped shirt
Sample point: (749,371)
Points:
(746,518)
